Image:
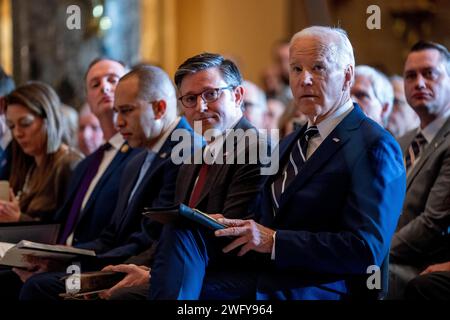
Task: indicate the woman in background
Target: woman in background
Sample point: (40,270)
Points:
(41,164)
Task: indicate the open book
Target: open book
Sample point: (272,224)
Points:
(93,282)
(15,255)
(178,212)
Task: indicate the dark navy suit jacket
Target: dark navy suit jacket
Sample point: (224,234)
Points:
(98,210)
(338,215)
(5,162)
(129,233)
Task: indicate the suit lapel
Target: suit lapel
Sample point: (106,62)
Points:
(319,158)
(216,169)
(327,149)
(117,160)
(213,173)
(160,158)
(428,151)
(184,181)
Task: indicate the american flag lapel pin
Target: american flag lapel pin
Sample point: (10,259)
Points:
(336,140)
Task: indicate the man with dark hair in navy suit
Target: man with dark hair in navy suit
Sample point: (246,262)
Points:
(324,222)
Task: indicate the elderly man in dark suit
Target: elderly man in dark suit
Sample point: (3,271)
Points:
(422,237)
(324,221)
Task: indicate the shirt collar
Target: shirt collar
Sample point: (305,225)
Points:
(431,130)
(116,141)
(158,145)
(215,146)
(328,124)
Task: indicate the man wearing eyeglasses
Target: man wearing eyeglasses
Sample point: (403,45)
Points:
(374,94)
(211,92)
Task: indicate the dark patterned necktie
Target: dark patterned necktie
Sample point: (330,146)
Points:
(296,160)
(414,150)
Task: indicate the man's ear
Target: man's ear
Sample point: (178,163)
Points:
(349,77)
(385,109)
(239,95)
(159,108)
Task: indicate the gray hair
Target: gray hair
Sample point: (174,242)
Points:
(261,100)
(203,61)
(340,46)
(381,87)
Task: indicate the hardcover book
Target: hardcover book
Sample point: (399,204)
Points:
(93,282)
(15,255)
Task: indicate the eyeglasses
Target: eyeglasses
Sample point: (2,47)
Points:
(208,96)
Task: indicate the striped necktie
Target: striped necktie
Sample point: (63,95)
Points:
(414,150)
(297,158)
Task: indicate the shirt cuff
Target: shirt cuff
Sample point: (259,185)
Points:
(273,246)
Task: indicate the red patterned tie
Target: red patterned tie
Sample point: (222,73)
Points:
(196,192)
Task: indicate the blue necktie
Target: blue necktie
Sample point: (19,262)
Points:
(296,160)
(91,172)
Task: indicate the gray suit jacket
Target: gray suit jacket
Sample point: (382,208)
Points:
(422,236)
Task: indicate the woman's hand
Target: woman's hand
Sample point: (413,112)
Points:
(10,210)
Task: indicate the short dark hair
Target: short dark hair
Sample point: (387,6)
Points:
(203,61)
(6,83)
(427,45)
(153,82)
(97,60)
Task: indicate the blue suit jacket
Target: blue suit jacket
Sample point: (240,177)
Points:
(338,215)
(97,212)
(129,233)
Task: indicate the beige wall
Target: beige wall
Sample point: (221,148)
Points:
(242,29)
(387,48)
(246,29)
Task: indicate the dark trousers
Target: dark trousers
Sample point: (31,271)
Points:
(43,286)
(182,258)
(431,286)
(10,284)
